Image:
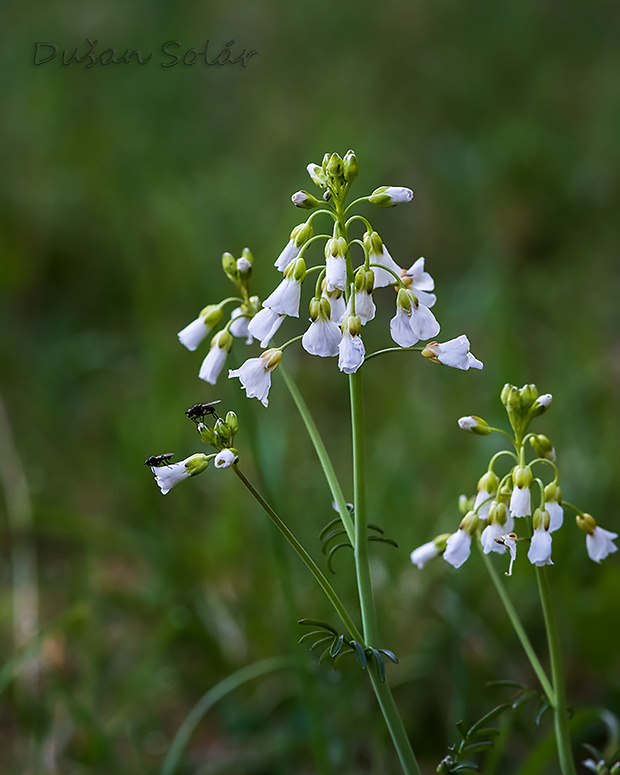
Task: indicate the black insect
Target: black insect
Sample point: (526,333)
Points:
(198,412)
(159,460)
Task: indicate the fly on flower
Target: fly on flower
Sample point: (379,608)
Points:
(159,460)
(198,412)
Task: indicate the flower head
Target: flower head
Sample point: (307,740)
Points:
(454,352)
(420,282)
(255,374)
(520,499)
(351,348)
(599,542)
(214,362)
(540,546)
(193,334)
(167,476)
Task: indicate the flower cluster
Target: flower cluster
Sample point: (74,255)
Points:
(501,504)
(343,299)
(220,436)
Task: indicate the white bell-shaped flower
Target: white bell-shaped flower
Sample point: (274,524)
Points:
(540,547)
(458,547)
(255,374)
(322,338)
(424,554)
(454,353)
(168,476)
(600,543)
(213,363)
(264,325)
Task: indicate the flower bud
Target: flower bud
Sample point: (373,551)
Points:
(541,519)
(211,314)
(586,522)
(301,234)
(229,265)
(272,358)
(474,424)
(222,431)
(351,167)
(244,267)
(206,434)
(522,476)
(232,422)
(541,404)
(317,175)
(529,394)
(225,458)
(304,200)
(335,166)
(389,196)
(543,447)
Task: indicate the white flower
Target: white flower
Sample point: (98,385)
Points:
(423,322)
(288,254)
(225,458)
(364,306)
(454,352)
(520,502)
(255,374)
(424,553)
(556,515)
(600,543)
(167,476)
(419,281)
(335,273)
(264,325)
(384,259)
(352,351)
(193,334)
(493,531)
(400,328)
(213,363)
(337,304)
(285,298)
(322,338)
(243,265)
(540,547)
(240,325)
(482,502)
(458,548)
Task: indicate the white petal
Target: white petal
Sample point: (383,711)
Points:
(290,252)
(224,459)
(424,553)
(383,278)
(213,365)
(458,547)
(540,547)
(600,544)
(322,338)
(424,323)
(285,298)
(193,334)
(255,377)
(167,476)
(420,280)
(364,307)
(556,515)
(400,329)
(520,502)
(264,325)
(351,349)
(335,273)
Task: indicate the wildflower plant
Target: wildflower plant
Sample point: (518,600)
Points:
(337,266)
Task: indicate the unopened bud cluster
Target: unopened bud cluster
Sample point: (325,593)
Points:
(518,494)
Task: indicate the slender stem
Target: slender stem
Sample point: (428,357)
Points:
(560,715)
(520,630)
(303,554)
(362,568)
(326,463)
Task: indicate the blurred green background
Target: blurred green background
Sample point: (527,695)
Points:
(121,187)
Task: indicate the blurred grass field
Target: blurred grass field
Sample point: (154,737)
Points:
(122,185)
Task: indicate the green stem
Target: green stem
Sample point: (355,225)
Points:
(519,630)
(308,561)
(362,568)
(326,463)
(560,714)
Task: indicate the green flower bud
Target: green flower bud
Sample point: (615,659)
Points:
(543,447)
(301,234)
(232,422)
(529,394)
(540,519)
(474,424)
(335,166)
(522,476)
(390,196)
(498,513)
(211,314)
(222,431)
(351,324)
(351,167)
(304,200)
(586,522)
(207,434)
(272,357)
(229,265)
(196,464)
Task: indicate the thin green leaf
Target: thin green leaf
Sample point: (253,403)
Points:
(389,654)
(360,654)
(317,623)
(488,717)
(320,642)
(336,646)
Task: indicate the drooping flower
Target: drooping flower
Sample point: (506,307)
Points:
(553,505)
(423,322)
(167,476)
(413,321)
(351,348)
(381,260)
(264,325)
(500,524)
(540,545)
(458,547)
(299,236)
(487,487)
(337,304)
(193,334)
(420,282)
(429,551)
(255,374)
(225,458)
(454,352)
(239,325)
(335,264)
(285,298)
(214,362)
(520,499)
(323,336)
(599,542)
